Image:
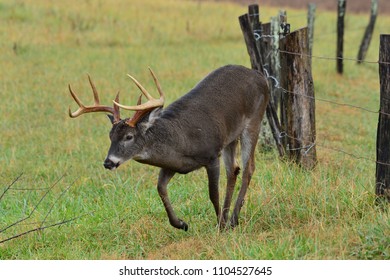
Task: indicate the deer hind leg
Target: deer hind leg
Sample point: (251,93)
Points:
(163,180)
(213,170)
(232,171)
(248,144)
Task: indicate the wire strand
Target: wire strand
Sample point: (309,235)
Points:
(310,145)
(335,58)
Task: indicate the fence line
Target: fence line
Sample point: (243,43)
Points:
(277,83)
(335,32)
(312,144)
(258,36)
(332,102)
(334,58)
(289,116)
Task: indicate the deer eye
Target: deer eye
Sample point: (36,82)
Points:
(129,137)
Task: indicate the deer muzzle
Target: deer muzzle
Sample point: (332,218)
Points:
(111,164)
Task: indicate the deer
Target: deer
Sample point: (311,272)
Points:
(224,110)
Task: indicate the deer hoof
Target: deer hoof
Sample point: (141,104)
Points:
(179,224)
(222,225)
(233,222)
(183,225)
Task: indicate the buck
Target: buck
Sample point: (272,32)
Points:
(222,110)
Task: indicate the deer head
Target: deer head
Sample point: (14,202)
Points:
(126,135)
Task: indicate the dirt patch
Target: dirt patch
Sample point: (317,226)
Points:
(356,6)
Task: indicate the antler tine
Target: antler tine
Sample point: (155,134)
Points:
(151,103)
(95,93)
(139,100)
(157,83)
(116,113)
(78,101)
(143,90)
(94,108)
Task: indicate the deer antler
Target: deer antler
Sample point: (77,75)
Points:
(142,109)
(96,107)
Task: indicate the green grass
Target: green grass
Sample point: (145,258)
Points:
(290,213)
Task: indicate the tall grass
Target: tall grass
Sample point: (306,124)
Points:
(290,213)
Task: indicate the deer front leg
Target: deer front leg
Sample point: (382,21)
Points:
(163,179)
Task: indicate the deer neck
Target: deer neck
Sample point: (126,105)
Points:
(163,145)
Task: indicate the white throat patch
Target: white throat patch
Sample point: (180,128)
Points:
(141,156)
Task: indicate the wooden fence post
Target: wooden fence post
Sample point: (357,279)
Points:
(298,100)
(254,17)
(310,25)
(265,43)
(368,33)
(256,62)
(275,62)
(266,139)
(382,189)
(340,34)
(250,42)
(283,23)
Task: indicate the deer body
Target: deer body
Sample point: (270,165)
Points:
(225,108)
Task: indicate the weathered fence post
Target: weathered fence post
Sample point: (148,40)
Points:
(275,61)
(250,42)
(382,189)
(368,33)
(265,43)
(254,17)
(310,25)
(266,138)
(256,62)
(283,23)
(340,34)
(298,100)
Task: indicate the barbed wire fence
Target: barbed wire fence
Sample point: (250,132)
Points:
(277,85)
(267,41)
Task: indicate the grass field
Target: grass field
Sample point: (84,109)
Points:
(327,213)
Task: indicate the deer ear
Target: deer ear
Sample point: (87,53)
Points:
(112,119)
(155,114)
(151,118)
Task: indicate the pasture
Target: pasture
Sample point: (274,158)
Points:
(289,213)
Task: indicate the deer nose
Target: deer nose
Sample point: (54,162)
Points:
(109,164)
